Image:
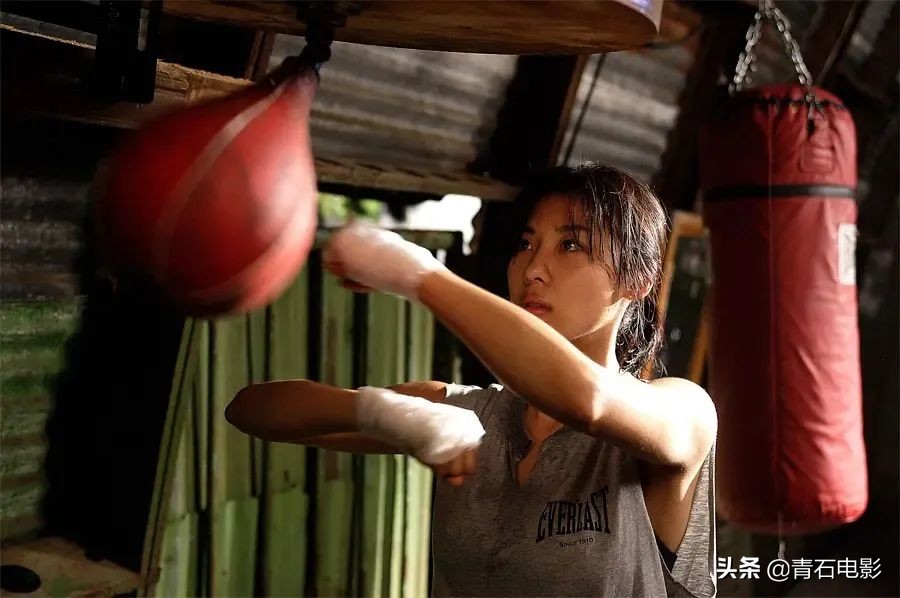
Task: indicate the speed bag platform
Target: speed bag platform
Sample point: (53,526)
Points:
(778,198)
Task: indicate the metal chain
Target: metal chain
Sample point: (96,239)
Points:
(747,63)
(747,60)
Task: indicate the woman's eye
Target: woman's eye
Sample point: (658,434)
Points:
(571,245)
(524,244)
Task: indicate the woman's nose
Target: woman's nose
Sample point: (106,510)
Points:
(537,270)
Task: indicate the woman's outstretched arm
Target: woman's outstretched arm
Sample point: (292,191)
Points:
(669,422)
(312,413)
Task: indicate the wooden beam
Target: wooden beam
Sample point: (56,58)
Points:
(260,55)
(74,15)
(211,47)
(532,121)
(824,49)
(43,76)
(426,184)
(872,92)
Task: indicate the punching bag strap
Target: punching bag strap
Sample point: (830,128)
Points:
(746,65)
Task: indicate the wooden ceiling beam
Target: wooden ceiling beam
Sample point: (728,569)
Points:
(533,120)
(46,77)
(823,51)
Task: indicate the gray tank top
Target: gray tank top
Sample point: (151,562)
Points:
(578,526)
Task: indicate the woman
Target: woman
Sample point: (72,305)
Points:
(585,480)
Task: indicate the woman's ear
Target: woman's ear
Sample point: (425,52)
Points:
(640,294)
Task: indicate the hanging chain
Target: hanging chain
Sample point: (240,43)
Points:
(747,62)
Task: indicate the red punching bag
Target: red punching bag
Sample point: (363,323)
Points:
(217,202)
(778,173)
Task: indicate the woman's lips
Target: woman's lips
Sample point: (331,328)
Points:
(535,305)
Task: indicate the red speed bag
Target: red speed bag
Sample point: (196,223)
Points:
(217,202)
(784,366)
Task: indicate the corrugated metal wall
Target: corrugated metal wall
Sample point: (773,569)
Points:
(248,517)
(402,107)
(41,223)
(32,353)
(634,103)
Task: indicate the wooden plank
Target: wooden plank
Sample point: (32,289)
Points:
(483,26)
(179,558)
(182,497)
(287,342)
(384,501)
(374,533)
(202,424)
(334,479)
(257,355)
(285,564)
(375,176)
(65,570)
(234,547)
(395,547)
(260,55)
(286,504)
(229,373)
(185,365)
(417,541)
(202,414)
(48,83)
(233,530)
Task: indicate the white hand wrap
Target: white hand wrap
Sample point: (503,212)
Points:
(380,259)
(433,433)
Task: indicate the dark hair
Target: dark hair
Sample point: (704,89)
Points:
(633,232)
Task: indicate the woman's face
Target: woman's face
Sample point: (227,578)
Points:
(553,276)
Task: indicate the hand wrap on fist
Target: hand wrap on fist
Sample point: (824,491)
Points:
(379,259)
(433,433)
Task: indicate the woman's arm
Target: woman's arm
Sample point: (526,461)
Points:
(315,414)
(312,413)
(669,421)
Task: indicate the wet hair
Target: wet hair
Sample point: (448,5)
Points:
(632,228)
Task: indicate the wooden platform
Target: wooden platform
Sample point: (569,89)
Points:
(65,571)
(481,26)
